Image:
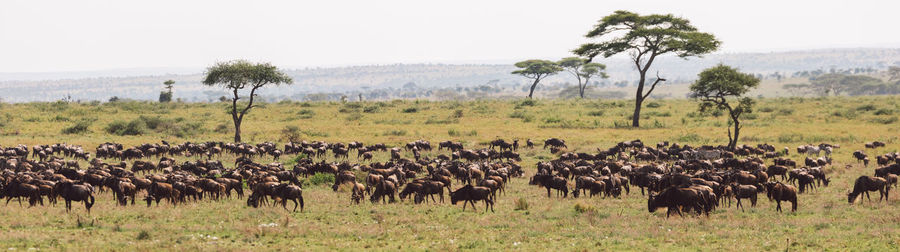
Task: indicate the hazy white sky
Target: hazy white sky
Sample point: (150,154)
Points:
(65,35)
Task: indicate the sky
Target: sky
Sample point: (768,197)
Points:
(88,35)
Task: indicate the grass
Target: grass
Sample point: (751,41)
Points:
(525,219)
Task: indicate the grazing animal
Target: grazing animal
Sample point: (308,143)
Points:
(290,192)
(744,192)
(864,184)
(471,194)
(676,199)
(779,192)
(70,191)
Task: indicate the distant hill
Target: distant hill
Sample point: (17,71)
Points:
(428,81)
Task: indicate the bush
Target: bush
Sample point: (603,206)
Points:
(320,179)
(884,112)
(580,208)
(371,109)
(521,204)
(306,113)
(457,114)
(654,105)
(766,109)
(597,113)
(79,127)
(527,102)
(453,132)
(395,133)
(410,110)
(291,133)
(143,235)
(121,128)
(889,120)
(867,107)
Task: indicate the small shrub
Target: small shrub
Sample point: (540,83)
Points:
(785,111)
(472,133)
(766,109)
(597,113)
(410,110)
(654,105)
(224,128)
(866,108)
(79,127)
(143,235)
(320,179)
(881,120)
(371,109)
(581,208)
(521,204)
(458,113)
(121,128)
(553,119)
(291,133)
(453,132)
(395,133)
(306,113)
(527,103)
(884,112)
(354,117)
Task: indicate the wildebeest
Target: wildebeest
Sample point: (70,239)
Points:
(676,199)
(551,182)
(555,142)
(289,192)
(744,192)
(864,184)
(471,194)
(70,191)
(779,192)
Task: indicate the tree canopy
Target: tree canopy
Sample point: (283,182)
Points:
(583,71)
(644,38)
(716,85)
(240,74)
(537,70)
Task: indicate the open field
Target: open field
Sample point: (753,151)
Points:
(824,219)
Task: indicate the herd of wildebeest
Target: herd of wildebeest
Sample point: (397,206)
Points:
(678,177)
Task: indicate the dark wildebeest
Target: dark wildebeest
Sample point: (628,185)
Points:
(290,192)
(551,182)
(864,184)
(70,191)
(779,192)
(744,192)
(555,142)
(471,194)
(676,199)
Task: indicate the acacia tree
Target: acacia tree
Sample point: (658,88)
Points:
(238,75)
(536,69)
(716,85)
(583,71)
(166,95)
(645,38)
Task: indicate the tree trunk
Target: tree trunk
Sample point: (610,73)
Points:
(581,91)
(636,117)
(237,131)
(737,132)
(533,85)
(638,99)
